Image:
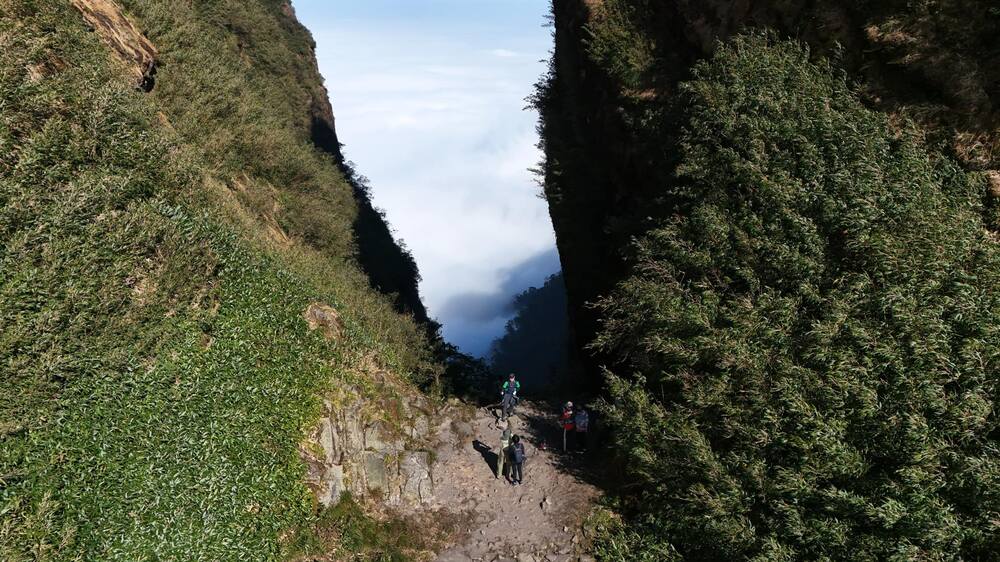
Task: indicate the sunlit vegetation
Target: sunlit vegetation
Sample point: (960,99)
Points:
(158,251)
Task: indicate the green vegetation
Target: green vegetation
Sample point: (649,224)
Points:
(157,372)
(348,531)
(610,133)
(239,83)
(807,338)
(789,280)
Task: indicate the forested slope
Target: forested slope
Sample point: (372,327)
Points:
(785,217)
(535,342)
(159,250)
(609,135)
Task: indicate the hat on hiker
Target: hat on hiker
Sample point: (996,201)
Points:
(569,404)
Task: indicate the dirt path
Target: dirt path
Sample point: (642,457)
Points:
(538,521)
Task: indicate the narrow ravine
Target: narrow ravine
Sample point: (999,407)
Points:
(540,520)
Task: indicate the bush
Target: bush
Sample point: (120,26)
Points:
(808,338)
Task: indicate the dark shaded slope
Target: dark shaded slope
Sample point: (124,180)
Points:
(535,343)
(391,269)
(609,129)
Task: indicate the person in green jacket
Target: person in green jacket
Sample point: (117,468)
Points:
(508,395)
(502,460)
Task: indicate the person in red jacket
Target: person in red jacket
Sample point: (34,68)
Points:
(566,421)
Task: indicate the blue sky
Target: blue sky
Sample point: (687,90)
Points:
(429,100)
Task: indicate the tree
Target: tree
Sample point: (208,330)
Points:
(535,343)
(808,339)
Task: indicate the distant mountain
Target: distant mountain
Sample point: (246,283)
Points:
(535,343)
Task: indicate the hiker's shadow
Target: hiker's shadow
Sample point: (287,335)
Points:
(488,454)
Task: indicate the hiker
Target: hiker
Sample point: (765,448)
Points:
(517,457)
(508,395)
(566,421)
(581,422)
(502,454)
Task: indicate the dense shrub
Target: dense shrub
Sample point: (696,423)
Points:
(808,338)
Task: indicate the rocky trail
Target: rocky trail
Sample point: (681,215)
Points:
(538,521)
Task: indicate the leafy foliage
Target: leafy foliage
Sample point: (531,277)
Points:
(807,340)
(349,530)
(157,375)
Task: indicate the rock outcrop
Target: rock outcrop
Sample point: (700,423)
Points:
(378,448)
(130,47)
(324,318)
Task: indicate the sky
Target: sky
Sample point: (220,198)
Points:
(429,100)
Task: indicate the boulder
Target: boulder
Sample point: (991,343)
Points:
(993,178)
(415,477)
(375,472)
(326,439)
(462,429)
(324,318)
(378,438)
(421,427)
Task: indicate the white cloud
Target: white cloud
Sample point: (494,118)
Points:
(437,124)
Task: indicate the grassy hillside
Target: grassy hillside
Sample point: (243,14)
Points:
(794,265)
(158,251)
(239,81)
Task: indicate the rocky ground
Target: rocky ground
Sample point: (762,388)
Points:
(538,521)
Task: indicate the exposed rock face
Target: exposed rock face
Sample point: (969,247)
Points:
(356,448)
(130,46)
(993,177)
(323,317)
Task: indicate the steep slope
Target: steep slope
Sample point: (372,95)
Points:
(163,257)
(535,342)
(606,123)
(793,262)
(241,80)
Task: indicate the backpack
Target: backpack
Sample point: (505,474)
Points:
(566,420)
(510,389)
(582,420)
(519,453)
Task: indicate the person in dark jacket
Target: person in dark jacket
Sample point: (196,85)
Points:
(566,422)
(508,396)
(581,425)
(517,458)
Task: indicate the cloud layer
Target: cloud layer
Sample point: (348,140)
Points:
(429,99)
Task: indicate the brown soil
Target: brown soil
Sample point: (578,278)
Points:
(539,520)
